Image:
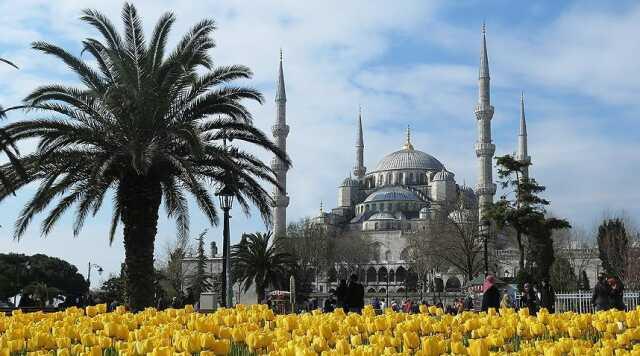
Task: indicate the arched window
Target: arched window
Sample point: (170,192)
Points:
(389,181)
(400,178)
(382,290)
(371,275)
(400,274)
(382,274)
(411,178)
(453,284)
(392,276)
(375,226)
(387,256)
(371,290)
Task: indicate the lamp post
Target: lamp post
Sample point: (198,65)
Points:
(97,267)
(484,230)
(226,195)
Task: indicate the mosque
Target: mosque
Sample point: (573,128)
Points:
(401,193)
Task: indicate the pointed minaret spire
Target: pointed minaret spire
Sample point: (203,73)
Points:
(522,154)
(281,95)
(485,148)
(359,169)
(407,145)
(280,132)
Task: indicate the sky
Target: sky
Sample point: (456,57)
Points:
(406,63)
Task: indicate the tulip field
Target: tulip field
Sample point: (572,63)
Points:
(255,330)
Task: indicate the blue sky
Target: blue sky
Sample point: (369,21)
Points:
(407,63)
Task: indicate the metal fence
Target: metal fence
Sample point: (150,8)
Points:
(580,302)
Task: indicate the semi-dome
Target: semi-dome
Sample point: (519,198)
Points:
(392,193)
(443,175)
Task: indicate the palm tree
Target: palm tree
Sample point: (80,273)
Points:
(255,260)
(7,145)
(147,127)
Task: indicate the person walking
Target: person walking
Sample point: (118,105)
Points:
(601,298)
(341,295)
(468,302)
(355,295)
(616,295)
(529,299)
(490,294)
(547,296)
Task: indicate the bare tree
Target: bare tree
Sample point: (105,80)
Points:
(450,239)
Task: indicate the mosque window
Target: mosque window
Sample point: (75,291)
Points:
(389,178)
(410,177)
(401,177)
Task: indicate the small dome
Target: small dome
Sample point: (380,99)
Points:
(382,216)
(443,175)
(349,182)
(392,193)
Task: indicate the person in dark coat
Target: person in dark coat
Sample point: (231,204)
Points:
(490,294)
(341,295)
(547,297)
(355,295)
(329,304)
(529,299)
(601,298)
(468,302)
(616,293)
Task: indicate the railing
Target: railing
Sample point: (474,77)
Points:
(580,302)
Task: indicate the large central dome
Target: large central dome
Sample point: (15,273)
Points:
(409,158)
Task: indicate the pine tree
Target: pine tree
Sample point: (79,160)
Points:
(200,281)
(525,212)
(613,243)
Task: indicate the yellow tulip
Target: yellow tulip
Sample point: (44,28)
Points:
(478,348)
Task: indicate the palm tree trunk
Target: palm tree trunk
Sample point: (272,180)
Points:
(260,292)
(140,203)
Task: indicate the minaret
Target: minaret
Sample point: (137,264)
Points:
(280,131)
(485,149)
(522,155)
(359,170)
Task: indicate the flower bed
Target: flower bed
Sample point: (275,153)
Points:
(254,329)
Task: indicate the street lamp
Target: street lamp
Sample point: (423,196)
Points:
(226,195)
(484,230)
(97,267)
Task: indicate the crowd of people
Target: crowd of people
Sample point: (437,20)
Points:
(607,294)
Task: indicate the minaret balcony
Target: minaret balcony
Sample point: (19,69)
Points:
(280,130)
(280,200)
(483,111)
(485,189)
(484,149)
(277,165)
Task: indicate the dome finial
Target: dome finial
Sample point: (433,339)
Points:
(407,145)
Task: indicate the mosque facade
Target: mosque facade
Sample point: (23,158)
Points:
(402,193)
